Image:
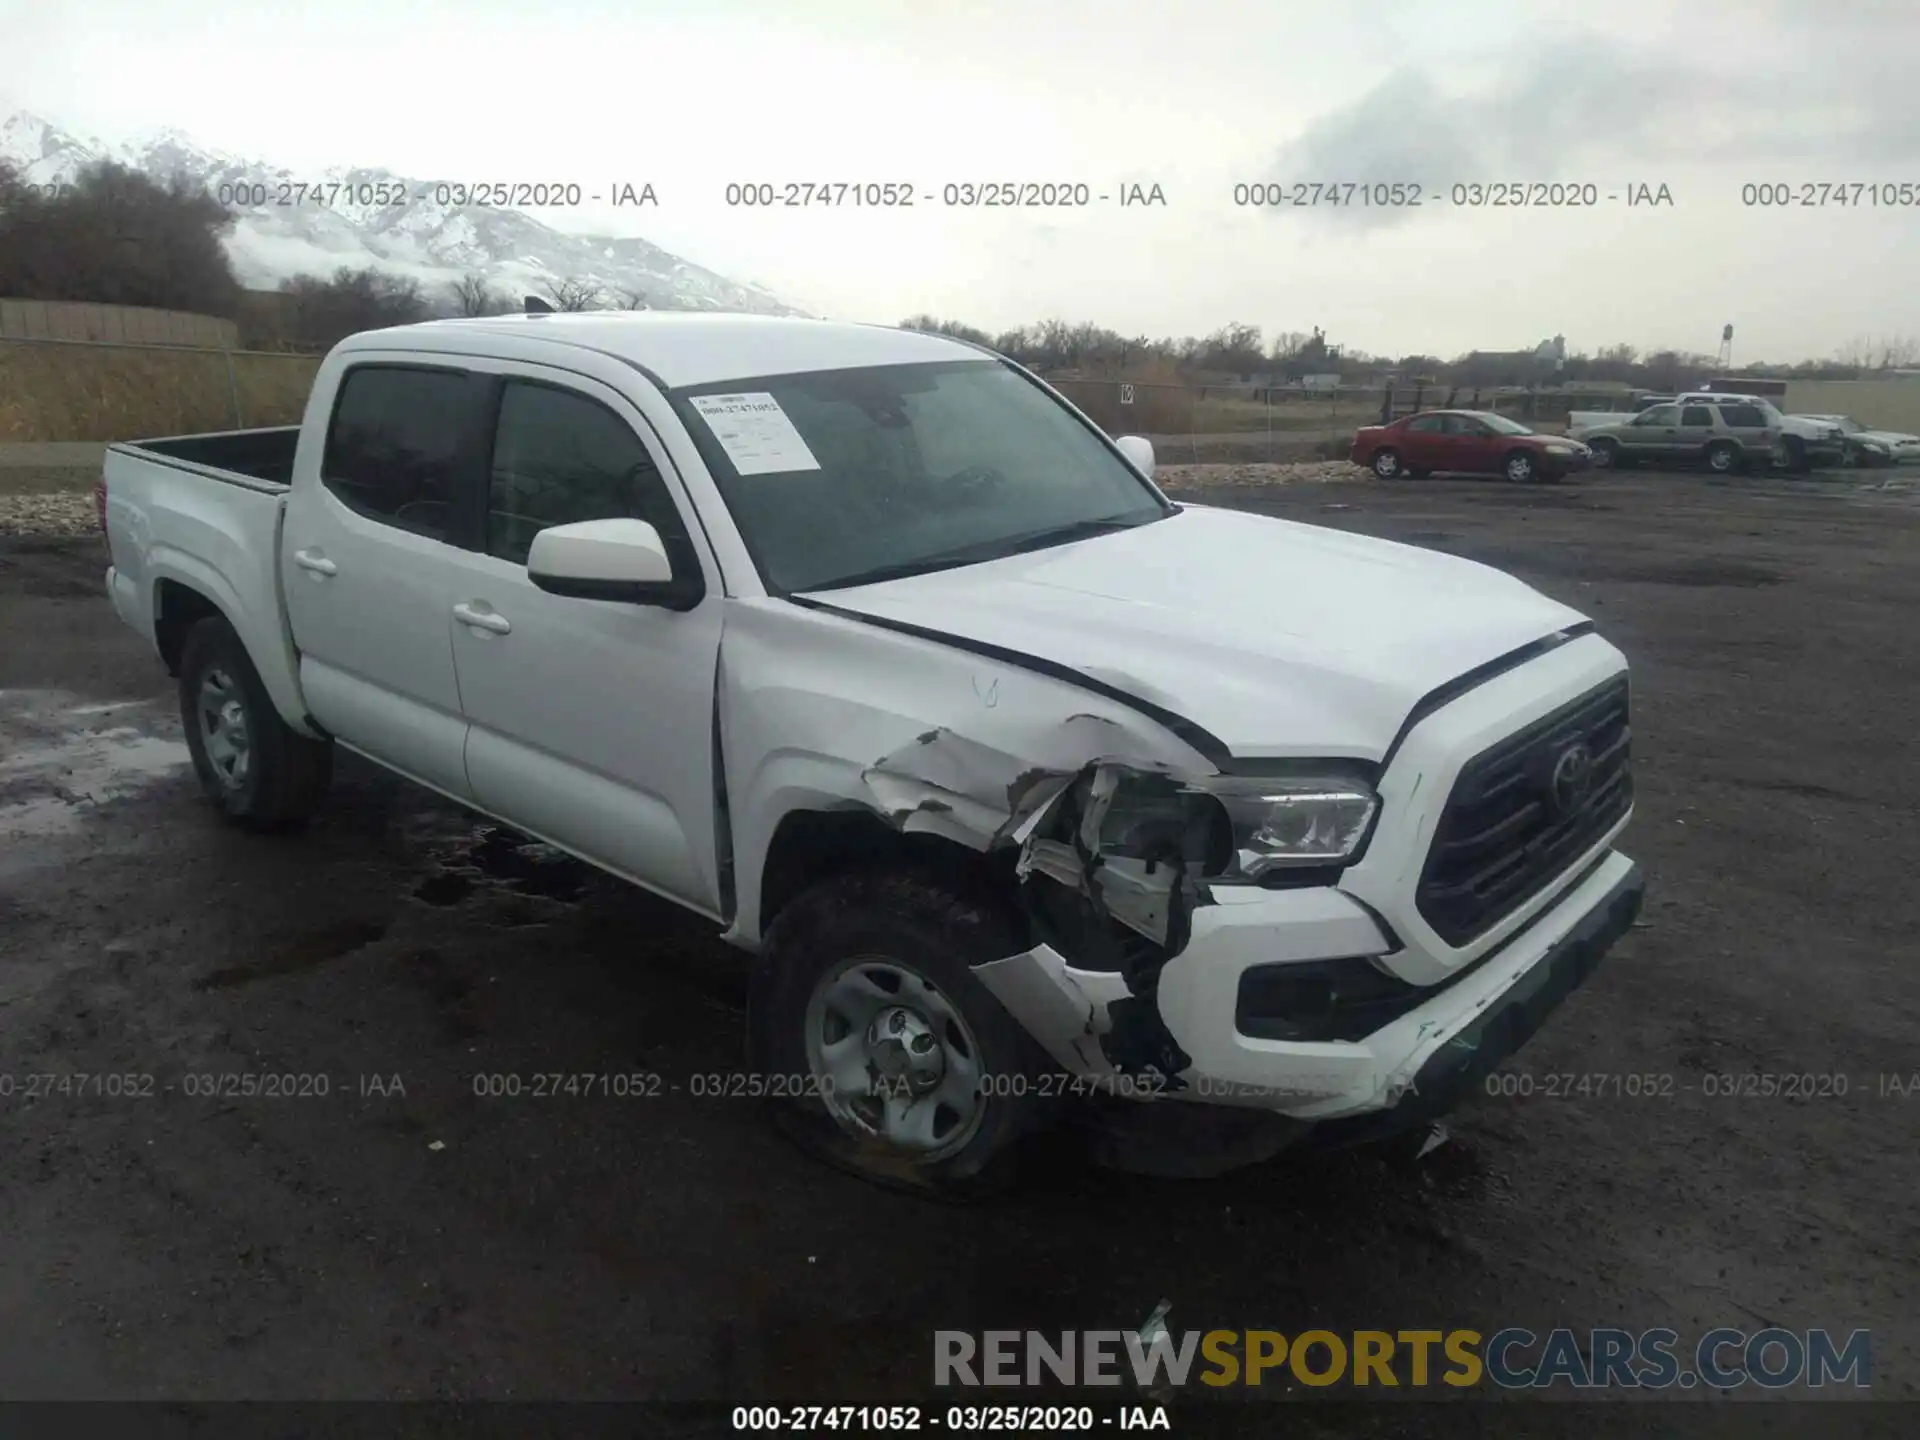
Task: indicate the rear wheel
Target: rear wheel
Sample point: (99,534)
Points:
(257,769)
(1386,464)
(1606,455)
(883,1053)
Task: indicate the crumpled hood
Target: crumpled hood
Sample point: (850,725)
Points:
(1275,636)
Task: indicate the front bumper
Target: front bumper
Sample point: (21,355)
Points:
(1480,1015)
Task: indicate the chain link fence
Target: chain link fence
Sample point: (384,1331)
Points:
(1209,424)
(90,390)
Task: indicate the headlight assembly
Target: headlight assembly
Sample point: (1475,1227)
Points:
(1242,827)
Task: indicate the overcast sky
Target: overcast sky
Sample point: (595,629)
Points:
(1195,96)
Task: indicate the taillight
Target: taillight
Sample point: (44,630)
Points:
(100,502)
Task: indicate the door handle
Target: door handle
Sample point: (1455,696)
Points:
(318,564)
(482,619)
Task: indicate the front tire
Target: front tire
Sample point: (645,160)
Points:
(884,1054)
(1723,458)
(251,763)
(1795,460)
(1606,455)
(1519,468)
(1386,464)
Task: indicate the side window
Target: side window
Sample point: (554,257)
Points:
(1659,415)
(559,458)
(391,447)
(1466,426)
(1743,417)
(1697,415)
(1428,425)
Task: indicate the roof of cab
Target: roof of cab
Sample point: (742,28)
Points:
(682,348)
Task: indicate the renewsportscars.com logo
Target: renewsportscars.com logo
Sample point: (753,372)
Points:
(1514,1358)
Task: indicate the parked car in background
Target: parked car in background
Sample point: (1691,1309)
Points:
(1874,447)
(1727,436)
(1801,441)
(1466,442)
(1592,419)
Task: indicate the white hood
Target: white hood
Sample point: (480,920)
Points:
(1275,636)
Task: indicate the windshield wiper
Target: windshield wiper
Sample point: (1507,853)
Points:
(985,550)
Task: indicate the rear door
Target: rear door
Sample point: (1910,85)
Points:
(591,720)
(366,567)
(1748,425)
(1697,430)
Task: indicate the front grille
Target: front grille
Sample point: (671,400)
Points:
(1509,829)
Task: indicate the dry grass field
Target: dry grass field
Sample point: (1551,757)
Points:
(54,392)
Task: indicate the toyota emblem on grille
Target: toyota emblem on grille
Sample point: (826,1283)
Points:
(1572,779)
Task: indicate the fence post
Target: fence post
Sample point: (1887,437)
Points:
(1267,395)
(233,389)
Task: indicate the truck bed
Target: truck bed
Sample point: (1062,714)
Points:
(254,458)
(203,514)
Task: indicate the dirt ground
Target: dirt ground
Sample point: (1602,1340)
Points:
(401,1236)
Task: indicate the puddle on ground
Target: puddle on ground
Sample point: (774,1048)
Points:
(60,760)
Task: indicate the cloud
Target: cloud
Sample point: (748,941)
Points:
(1611,111)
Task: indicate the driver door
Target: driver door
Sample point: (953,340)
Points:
(590,721)
(1473,447)
(1654,434)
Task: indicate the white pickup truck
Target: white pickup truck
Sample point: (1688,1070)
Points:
(1019,779)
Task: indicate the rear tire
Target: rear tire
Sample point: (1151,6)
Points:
(1606,455)
(901,945)
(251,763)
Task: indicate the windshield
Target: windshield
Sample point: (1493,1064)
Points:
(846,477)
(1501,425)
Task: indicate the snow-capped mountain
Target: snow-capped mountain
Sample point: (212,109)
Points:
(369,217)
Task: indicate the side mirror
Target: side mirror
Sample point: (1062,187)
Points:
(1139,452)
(609,560)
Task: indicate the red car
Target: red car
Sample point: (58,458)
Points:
(1468,442)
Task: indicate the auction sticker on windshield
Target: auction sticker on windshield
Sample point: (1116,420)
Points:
(755,432)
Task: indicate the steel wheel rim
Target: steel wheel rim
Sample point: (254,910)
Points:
(893,1059)
(224,731)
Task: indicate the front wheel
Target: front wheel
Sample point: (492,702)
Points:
(1386,464)
(260,772)
(885,1054)
(1793,455)
(1606,455)
(1723,458)
(1520,468)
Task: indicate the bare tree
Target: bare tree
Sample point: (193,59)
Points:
(1897,351)
(574,295)
(118,237)
(324,311)
(634,300)
(473,296)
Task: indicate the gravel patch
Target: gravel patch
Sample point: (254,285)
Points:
(57,514)
(1192,477)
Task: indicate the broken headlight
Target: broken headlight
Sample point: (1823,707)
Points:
(1236,827)
(1295,821)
